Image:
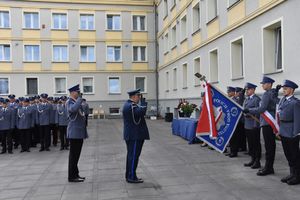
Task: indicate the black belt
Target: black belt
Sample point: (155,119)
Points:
(284,121)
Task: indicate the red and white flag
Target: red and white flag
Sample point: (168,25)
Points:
(207,118)
(271,121)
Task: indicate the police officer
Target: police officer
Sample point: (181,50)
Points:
(234,145)
(61,119)
(53,127)
(24,123)
(33,107)
(240,98)
(135,132)
(13,105)
(6,125)
(289,115)
(76,132)
(252,129)
(268,103)
(44,109)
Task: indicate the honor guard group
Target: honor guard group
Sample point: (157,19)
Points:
(247,136)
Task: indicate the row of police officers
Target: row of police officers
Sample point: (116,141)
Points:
(286,111)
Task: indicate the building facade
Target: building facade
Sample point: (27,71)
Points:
(229,41)
(47,46)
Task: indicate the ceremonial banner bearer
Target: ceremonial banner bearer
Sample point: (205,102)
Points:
(76,132)
(135,132)
(6,126)
(268,103)
(289,115)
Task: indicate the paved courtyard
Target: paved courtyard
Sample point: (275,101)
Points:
(171,168)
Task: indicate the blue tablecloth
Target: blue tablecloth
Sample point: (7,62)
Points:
(186,128)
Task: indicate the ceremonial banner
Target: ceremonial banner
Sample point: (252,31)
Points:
(218,119)
(271,121)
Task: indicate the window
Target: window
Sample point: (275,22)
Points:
(272,48)
(174,38)
(173,4)
(167,82)
(60,85)
(87,53)
(166,10)
(60,53)
(32,53)
(166,43)
(114,54)
(31,20)
(197,69)
(113,22)
(212,10)
(4,86)
(139,23)
(196,17)
(87,22)
(140,83)
(175,79)
(32,86)
(214,71)
(184,75)
(4,52)
(59,21)
(237,60)
(139,54)
(114,111)
(183,27)
(4,19)
(114,85)
(88,85)
(231,2)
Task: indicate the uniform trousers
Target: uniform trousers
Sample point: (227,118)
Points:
(45,136)
(134,149)
(270,145)
(25,137)
(64,142)
(235,139)
(53,129)
(253,138)
(74,155)
(291,151)
(6,140)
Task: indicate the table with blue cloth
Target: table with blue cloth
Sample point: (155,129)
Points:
(186,128)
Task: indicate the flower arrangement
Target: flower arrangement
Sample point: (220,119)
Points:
(185,108)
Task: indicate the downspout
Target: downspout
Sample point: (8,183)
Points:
(156,60)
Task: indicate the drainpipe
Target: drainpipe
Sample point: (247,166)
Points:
(156,59)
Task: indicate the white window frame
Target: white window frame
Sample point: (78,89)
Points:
(145,86)
(9,20)
(10,52)
(167,74)
(175,42)
(218,60)
(183,37)
(140,55)
(243,61)
(24,53)
(199,67)
(68,59)
(138,25)
(92,77)
(282,46)
(199,9)
(175,79)
(8,78)
(54,86)
(94,23)
(38,84)
(106,21)
(165,8)
(39,19)
(87,45)
(187,74)
(207,14)
(61,13)
(108,89)
(121,54)
(166,43)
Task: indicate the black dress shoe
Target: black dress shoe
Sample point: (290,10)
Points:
(287,178)
(3,152)
(256,165)
(41,150)
(83,178)
(47,149)
(233,155)
(66,148)
(249,164)
(61,149)
(265,172)
(10,152)
(295,180)
(76,180)
(134,180)
(27,150)
(22,151)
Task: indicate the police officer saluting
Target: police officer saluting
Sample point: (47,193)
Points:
(6,126)
(268,103)
(76,132)
(251,126)
(135,132)
(289,116)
